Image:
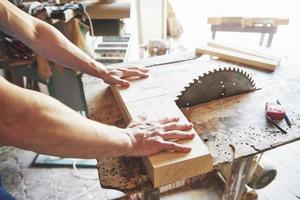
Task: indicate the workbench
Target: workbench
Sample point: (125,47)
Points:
(211,120)
(247,24)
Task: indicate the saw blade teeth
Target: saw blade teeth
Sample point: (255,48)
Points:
(188,96)
(178,97)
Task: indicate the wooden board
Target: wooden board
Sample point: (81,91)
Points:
(149,97)
(247,21)
(242,58)
(230,47)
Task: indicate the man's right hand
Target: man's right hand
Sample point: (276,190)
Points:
(149,137)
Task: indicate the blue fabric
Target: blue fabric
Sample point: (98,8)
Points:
(3,194)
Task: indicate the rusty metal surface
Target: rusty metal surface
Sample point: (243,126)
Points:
(232,127)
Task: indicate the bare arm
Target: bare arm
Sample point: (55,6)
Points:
(53,45)
(33,121)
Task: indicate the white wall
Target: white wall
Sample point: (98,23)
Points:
(151,19)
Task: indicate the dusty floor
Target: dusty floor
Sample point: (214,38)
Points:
(27,183)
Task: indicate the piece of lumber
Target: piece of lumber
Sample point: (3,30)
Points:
(250,60)
(230,47)
(147,97)
(247,21)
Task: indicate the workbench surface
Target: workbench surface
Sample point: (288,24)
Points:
(232,127)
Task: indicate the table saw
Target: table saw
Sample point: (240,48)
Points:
(232,130)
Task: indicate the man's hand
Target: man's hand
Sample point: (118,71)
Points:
(122,75)
(152,137)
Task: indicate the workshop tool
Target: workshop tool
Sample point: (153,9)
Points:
(156,47)
(275,112)
(274,124)
(235,121)
(220,83)
(286,118)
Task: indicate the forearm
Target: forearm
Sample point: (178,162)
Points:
(33,121)
(54,46)
(45,40)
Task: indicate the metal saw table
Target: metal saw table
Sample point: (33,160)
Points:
(234,128)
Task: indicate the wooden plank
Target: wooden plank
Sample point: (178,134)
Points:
(148,97)
(234,48)
(247,21)
(250,60)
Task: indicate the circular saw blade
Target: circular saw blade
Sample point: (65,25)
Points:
(220,83)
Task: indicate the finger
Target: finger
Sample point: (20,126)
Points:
(131,72)
(118,81)
(177,135)
(177,126)
(169,120)
(166,145)
(140,68)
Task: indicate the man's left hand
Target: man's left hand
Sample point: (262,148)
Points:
(122,75)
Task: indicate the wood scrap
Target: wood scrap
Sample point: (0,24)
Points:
(242,58)
(243,50)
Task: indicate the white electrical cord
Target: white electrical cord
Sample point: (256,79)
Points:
(80,175)
(90,22)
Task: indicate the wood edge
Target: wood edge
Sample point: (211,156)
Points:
(149,168)
(181,172)
(121,104)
